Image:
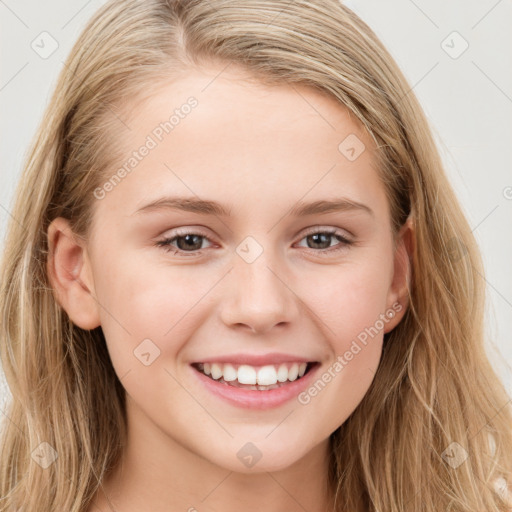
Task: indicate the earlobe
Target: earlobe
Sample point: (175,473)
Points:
(402,272)
(70,276)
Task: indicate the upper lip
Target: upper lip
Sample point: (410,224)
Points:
(256,359)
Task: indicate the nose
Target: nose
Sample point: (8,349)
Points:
(259,297)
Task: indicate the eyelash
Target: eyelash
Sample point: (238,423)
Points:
(166,242)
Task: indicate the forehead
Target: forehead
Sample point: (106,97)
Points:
(221,133)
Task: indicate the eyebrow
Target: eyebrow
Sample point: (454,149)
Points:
(207,207)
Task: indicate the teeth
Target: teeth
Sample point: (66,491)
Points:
(263,377)
(246,374)
(216,371)
(229,373)
(282,373)
(293,372)
(267,375)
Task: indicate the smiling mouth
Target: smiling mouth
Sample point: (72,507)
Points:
(261,378)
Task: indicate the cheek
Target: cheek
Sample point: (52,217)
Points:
(142,301)
(350,307)
(350,300)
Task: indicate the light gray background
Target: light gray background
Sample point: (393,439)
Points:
(468,100)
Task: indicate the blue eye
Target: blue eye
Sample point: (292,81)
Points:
(190,243)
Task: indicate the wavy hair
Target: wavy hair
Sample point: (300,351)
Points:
(434,386)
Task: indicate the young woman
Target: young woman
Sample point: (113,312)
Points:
(237,277)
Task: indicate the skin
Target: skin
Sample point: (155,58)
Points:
(258,150)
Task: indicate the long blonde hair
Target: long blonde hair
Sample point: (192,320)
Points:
(434,387)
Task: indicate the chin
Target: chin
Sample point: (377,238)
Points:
(263,456)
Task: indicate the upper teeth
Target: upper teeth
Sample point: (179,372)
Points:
(263,375)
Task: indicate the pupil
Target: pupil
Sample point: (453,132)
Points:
(189,242)
(317,236)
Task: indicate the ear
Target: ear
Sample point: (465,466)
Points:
(398,295)
(70,275)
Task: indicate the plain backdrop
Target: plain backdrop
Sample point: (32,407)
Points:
(456,56)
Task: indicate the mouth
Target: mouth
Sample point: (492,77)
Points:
(256,378)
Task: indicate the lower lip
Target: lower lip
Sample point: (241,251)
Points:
(255,399)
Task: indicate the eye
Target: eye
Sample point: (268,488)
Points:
(186,242)
(321,239)
(192,242)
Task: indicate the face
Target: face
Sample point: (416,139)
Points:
(250,241)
